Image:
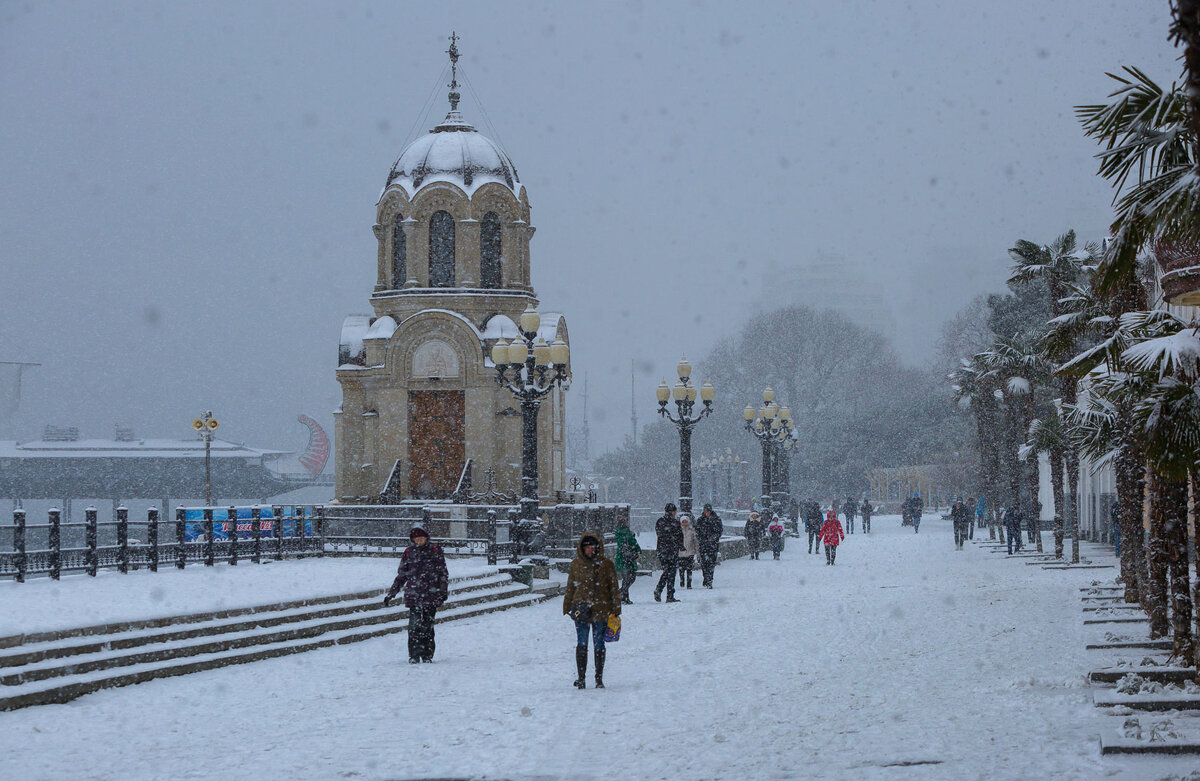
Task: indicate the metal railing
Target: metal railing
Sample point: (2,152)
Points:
(197,539)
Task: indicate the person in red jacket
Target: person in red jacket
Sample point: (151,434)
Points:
(831,535)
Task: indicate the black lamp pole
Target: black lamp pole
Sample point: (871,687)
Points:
(684,394)
(530,369)
(772,426)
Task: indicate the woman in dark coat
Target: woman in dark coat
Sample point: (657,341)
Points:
(592,595)
(426,583)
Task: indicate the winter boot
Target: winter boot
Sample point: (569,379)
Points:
(600,654)
(581,666)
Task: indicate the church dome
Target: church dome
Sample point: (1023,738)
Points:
(457,153)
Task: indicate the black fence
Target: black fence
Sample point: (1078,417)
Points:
(210,534)
(37,548)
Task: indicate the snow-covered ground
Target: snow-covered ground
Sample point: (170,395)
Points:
(908,660)
(77,600)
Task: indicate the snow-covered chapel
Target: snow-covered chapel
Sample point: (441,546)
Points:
(419,396)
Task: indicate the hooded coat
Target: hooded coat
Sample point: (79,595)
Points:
(592,582)
(627,549)
(422,574)
(831,530)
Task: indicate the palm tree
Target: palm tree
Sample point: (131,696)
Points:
(1057,265)
(974,388)
(1186,30)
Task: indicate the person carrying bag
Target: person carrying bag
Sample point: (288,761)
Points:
(591,598)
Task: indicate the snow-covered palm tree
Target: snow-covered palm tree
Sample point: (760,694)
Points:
(975,389)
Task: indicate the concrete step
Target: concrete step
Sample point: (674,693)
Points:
(265,616)
(1156,644)
(71,687)
(11,641)
(1162,701)
(214,643)
(1158,674)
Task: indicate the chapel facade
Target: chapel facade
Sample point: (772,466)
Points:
(419,395)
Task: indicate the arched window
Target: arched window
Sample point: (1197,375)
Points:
(489,251)
(441,250)
(399,254)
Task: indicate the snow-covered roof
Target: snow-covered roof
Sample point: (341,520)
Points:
(141,448)
(457,153)
(350,346)
(499,327)
(383,328)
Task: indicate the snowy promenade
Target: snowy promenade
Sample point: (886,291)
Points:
(907,660)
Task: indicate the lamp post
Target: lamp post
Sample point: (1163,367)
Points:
(684,394)
(530,369)
(205,426)
(772,426)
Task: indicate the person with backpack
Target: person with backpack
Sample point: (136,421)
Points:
(832,535)
(812,525)
(708,538)
(628,552)
(426,582)
(866,511)
(591,596)
(670,541)
(775,534)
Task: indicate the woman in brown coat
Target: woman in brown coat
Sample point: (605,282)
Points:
(592,596)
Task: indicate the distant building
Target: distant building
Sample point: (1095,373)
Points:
(419,397)
(826,280)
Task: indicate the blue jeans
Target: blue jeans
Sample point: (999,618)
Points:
(597,627)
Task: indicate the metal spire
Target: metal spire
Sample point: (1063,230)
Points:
(453,52)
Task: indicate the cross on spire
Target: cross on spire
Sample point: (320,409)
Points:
(453,52)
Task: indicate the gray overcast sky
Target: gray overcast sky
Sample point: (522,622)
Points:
(187,190)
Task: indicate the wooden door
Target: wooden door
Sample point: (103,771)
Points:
(436,442)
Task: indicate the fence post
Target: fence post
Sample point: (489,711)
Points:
(514,535)
(320,530)
(491,536)
(233,535)
(152,536)
(123,540)
(298,511)
(277,523)
(55,543)
(256,532)
(209,542)
(93,560)
(19,543)
(180,539)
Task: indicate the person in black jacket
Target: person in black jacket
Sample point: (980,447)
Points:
(849,509)
(962,522)
(426,583)
(812,524)
(670,542)
(866,510)
(708,537)
(753,530)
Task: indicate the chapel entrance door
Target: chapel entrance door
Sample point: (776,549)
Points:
(436,442)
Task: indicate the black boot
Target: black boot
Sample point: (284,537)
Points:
(600,653)
(581,666)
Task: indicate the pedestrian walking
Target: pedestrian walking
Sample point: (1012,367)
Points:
(688,551)
(753,531)
(812,525)
(866,511)
(591,597)
(917,506)
(1012,525)
(848,509)
(628,552)
(961,519)
(832,535)
(775,533)
(708,539)
(971,512)
(670,541)
(426,582)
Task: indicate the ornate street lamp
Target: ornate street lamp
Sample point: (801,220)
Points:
(206,426)
(773,427)
(530,369)
(684,394)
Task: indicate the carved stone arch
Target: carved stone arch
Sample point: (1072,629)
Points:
(440,196)
(495,197)
(427,327)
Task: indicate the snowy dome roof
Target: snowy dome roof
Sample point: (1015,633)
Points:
(454,152)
